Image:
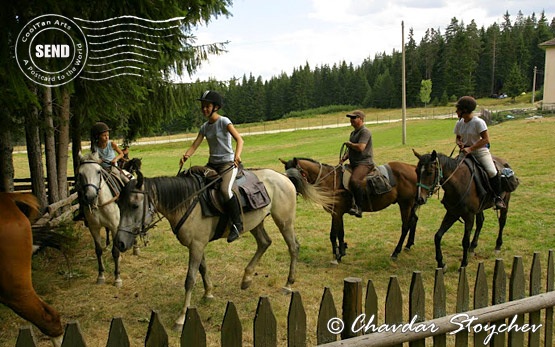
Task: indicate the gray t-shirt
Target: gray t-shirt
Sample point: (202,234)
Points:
(356,158)
(219,140)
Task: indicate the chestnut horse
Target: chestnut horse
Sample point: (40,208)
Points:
(304,172)
(461,199)
(16,248)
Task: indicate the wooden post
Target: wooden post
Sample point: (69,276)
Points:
(352,305)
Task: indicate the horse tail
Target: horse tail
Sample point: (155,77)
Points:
(314,193)
(28,204)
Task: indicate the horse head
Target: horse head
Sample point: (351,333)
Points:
(90,177)
(135,213)
(428,173)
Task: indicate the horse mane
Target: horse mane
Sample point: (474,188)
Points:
(169,192)
(91,156)
(314,161)
(448,163)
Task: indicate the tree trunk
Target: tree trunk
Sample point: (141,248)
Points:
(75,142)
(6,160)
(34,155)
(63,143)
(50,147)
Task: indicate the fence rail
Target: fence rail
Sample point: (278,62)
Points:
(517,322)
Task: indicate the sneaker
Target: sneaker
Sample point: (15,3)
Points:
(233,234)
(499,203)
(355,211)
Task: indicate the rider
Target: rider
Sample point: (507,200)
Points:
(218,131)
(472,137)
(361,158)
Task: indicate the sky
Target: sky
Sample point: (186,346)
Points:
(267,37)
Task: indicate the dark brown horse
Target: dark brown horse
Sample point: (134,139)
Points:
(327,179)
(461,200)
(16,248)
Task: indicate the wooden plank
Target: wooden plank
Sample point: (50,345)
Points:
(117,337)
(193,333)
(463,305)
(26,337)
(499,296)
(265,326)
(352,306)
(535,288)
(156,335)
(232,329)
(550,286)
(296,322)
(480,300)
(394,303)
(417,304)
(516,291)
(371,305)
(327,312)
(57,205)
(73,336)
(440,305)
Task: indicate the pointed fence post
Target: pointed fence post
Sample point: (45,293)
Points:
(265,325)
(480,300)
(73,336)
(439,305)
(118,336)
(550,286)
(516,291)
(296,322)
(499,296)
(394,304)
(463,305)
(232,330)
(325,314)
(371,306)
(156,335)
(26,337)
(535,289)
(417,304)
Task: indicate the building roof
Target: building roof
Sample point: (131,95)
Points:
(548,43)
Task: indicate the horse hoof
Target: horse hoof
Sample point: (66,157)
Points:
(100,280)
(177,327)
(334,262)
(497,251)
(394,257)
(246,284)
(136,251)
(407,249)
(286,290)
(118,283)
(208,297)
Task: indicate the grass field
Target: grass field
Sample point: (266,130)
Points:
(154,280)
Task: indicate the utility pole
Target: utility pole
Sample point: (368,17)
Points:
(534,85)
(404,87)
(493,65)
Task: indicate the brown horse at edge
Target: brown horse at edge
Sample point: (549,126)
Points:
(307,173)
(16,243)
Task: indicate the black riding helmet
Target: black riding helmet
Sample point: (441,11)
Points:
(467,104)
(211,96)
(98,129)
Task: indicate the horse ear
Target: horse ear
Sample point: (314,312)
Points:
(139,179)
(416,153)
(282,161)
(434,155)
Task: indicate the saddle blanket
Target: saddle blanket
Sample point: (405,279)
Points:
(380,181)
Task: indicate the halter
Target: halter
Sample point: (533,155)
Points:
(147,211)
(436,185)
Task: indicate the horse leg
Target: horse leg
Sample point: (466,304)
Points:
(107,237)
(468,225)
(502,220)
(196,252)
(412,228)
(479,223)
(98,249)
(263,241)
(406,217)
(116,256)
(447,222)
(208,286)
(337,233)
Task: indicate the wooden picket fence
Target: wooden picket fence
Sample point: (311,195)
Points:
(515,320)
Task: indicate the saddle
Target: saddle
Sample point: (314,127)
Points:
(509,181)
(379,181)
(250,191)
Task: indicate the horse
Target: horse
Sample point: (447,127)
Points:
(101,210)
(176,199)
(306,172)
(16,248)
(461,199)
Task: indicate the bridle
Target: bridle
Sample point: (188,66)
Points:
(432,189)
(148,212)
(319,178)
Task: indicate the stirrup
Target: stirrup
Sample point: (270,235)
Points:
(355,211)
(233,233)
(499,203)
